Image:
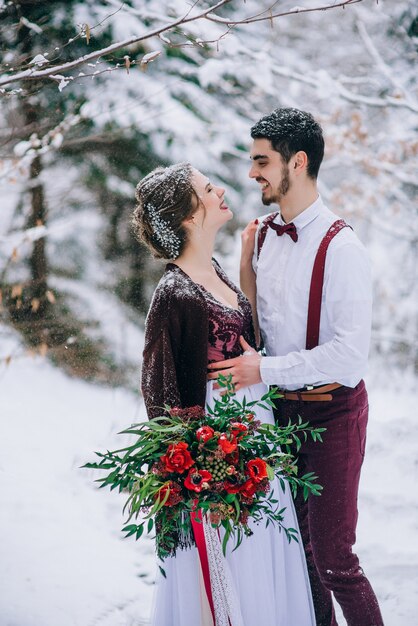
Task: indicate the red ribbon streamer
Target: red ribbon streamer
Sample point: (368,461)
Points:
(199,536)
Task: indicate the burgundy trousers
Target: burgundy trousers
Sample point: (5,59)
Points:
(328,522)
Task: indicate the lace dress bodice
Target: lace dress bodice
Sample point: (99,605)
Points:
(226,325)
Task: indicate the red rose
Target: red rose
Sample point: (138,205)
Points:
(248,489)
(196,480)
(238,430)
(204,433)
(227,445)
(174,491)
(257,469)
(177,458)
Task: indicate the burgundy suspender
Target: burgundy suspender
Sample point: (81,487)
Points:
(317,283)
(317,280)
(263,232)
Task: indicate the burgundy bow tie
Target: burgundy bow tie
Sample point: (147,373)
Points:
(290,229)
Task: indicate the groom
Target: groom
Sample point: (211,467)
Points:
(310,276)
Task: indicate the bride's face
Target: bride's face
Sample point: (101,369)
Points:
(212,212)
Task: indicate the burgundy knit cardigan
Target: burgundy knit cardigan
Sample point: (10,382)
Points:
(175,357)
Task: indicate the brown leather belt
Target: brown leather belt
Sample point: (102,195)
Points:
(318,394)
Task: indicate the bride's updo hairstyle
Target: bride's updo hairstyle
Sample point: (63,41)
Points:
(165,199)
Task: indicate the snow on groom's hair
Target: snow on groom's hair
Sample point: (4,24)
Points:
(289,131)
(165,199)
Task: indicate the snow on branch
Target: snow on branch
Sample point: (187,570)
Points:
(144,12)
(11,246)
(262,17)
(25,151)
(55,72)
(31,74)
(332,85)
(384,68)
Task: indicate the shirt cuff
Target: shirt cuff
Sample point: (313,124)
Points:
(270,370)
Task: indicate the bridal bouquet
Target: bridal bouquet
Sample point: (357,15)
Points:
(190,462)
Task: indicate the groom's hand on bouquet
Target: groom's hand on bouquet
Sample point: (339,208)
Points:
(245,369)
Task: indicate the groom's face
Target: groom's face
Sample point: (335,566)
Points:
(270,172)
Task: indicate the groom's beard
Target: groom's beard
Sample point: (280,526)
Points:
(282,190)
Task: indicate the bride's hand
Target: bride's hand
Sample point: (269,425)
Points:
(248,241)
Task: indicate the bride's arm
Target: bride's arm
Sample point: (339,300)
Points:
(247,274)
(159,384)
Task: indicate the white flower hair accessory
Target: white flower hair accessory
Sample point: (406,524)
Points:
(163,232)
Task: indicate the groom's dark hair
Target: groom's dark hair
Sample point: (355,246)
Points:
(291,130)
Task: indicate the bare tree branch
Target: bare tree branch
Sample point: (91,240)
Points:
(383,67)
(273,16)
(54,71)
(32,74)
(143,13)
(346,94)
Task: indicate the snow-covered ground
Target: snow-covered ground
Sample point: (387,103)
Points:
(63,560)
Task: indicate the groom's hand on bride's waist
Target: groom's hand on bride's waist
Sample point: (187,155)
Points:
(245,369)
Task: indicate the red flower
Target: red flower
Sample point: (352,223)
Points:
(189,413)
(248,489)
(233,458)
(215,517)
(158,468)
(243,516)
(174,491)
(204,433)
(257,469)
(177,458)
(231,485)
(196,480)
(238,430)
(227,445)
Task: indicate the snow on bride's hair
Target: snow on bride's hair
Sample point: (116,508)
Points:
(165,199)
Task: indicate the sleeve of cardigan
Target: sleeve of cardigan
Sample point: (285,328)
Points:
(158,378)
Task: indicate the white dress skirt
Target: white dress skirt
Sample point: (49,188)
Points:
(263,583)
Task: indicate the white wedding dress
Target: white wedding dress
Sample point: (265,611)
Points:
(262,583)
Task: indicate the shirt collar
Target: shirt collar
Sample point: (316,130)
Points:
(307,216)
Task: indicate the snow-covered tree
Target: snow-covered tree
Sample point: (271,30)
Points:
(191,91)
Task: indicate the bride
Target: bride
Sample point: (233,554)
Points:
(198,316)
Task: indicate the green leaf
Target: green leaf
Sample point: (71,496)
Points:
(225,524)
(270,472)
(130,529)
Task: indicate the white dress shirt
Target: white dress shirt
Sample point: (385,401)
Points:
(284,272)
